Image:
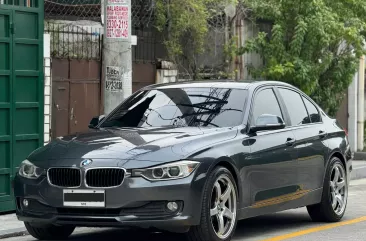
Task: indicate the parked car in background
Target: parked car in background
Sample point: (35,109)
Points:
(191,158)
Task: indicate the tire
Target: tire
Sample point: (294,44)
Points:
(208,230)
(325,210)
(50,232)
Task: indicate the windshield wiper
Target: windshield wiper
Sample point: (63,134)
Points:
(202,104)
(205,122)
(121,127)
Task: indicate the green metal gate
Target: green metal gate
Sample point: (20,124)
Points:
(21,88)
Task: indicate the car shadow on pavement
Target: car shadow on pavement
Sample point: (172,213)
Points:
(278,223)
(125,235)
(258,228)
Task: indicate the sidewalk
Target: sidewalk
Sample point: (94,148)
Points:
(11,227)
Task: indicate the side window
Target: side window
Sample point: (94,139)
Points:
(295,106)
(266,103)
(313,111)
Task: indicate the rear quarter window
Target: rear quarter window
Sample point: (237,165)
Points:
(295,107)
(313,111)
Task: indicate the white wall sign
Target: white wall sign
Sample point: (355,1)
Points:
(114,82)
(133,40)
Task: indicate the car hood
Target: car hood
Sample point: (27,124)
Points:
(129,147)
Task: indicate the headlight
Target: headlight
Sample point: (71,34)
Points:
(169,171)
(29,170)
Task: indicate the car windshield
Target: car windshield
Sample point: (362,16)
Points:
(211,107)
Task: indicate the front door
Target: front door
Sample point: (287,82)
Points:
(272,169)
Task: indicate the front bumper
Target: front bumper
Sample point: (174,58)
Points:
(136,203)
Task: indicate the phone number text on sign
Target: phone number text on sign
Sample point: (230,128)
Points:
(117,21)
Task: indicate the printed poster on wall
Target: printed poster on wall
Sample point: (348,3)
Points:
(114,80)
(117,21)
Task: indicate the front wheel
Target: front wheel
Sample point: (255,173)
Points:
(219,208)
(335,194)
(50,232)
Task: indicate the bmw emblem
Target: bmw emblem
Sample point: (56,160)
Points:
(86,162)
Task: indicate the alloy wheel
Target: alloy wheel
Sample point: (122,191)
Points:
(338,189)
(223,207)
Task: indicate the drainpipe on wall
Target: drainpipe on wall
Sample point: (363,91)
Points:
(230,31)
(239,42)
(242,42)
(361,101)
(237,61)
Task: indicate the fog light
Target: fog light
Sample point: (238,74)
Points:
(172,206)
(25,203)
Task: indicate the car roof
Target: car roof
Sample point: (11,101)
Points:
(231,84)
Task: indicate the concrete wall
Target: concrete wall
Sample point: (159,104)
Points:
(342,114)
(365,106)
(250,30)
(352,113)
(166,73)
(212,59)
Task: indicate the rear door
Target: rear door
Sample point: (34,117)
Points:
(306,123)
(272,168)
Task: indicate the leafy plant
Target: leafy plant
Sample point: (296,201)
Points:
(314,45)
(185,25)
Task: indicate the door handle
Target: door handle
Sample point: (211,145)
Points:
(322,134)
(290,141)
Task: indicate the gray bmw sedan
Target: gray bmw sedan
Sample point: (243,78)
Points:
(190,158)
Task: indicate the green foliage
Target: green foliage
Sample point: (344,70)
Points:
(230,49)
(182,18)
(185,25)
(230,52)
(314,45)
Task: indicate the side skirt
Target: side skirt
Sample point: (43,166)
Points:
(296,200)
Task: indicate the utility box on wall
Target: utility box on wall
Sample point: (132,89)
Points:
(21,89)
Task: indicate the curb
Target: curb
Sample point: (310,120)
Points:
(10,233)
(359,156)
(358,173)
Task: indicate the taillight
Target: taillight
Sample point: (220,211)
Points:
(345,131)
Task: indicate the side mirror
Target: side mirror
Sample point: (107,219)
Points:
(267,122)
(95,121)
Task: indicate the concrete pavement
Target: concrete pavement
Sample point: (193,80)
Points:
(260,228)
(10,226)
(352,232)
